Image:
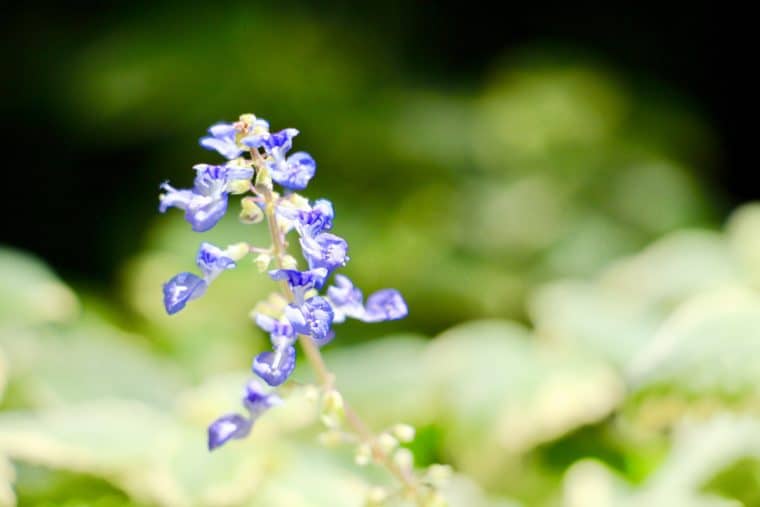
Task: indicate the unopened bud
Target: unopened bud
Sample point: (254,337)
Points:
(250,213)
(262,261)
(238,186)
(248,118)
(311,393)
(363,455)
(332,409)
(333,401)
(289,262)
(386,442)
(438,475)
(376,496)
(237,251)
(403,458)
(404,432)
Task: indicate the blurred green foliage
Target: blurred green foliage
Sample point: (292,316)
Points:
(580,333)
(643,372)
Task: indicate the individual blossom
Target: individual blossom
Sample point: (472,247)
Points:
(235,426)
(316,219)
(325,250)
(206,203)
(347,301)
(292,172)
(309,316)
(185,287)
(276,366)
(320,249)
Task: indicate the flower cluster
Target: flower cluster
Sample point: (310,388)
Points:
(257,159)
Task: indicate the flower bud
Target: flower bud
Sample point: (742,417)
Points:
(403,458)
(404,432)
(332,409)
(289,262)
(237,251)
(333,401)
(363,455)
(238,186)
(438,475)
(250,213)
(248,118)
(386,442)
(376,496)
(262,261)
(311,393)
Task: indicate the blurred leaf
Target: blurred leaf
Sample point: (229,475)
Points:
(31,292)
(7,476)
(700,452)
(501,390)
(744,238)
(86,362)
(709,345)
(675,267)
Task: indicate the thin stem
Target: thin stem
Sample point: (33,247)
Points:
(324,376)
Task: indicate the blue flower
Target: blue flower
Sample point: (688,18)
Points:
(212,260)
(258,401)
(385,304)
(346,300)
(235,426)
(256,133)
(325,250)
(313,317)
(294,172)
(181,289)
(300,281)
(223,139)
(185,287)
(275,367)
(206,202)
(278,144)
(317,219)
(227,427)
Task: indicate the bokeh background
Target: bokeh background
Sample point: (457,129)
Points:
(560,193)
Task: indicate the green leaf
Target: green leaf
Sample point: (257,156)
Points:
(701,450)
(31,292)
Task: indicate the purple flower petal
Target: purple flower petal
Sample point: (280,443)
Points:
(295,172)
(222,139)
(326,251)
(275,367)
(346,300)
(203,218)
(386,304)
(212,261)
(313,318)
(257,400)
(226,428)
(180,289)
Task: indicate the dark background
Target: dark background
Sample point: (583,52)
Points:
(65,194)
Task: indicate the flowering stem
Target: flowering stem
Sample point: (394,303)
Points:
(324,376)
